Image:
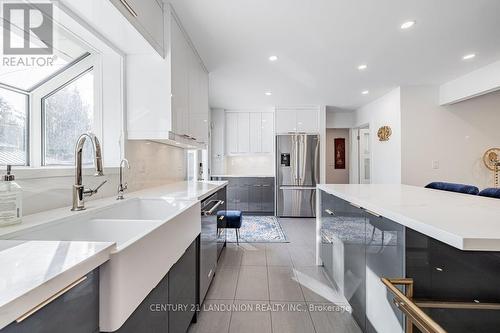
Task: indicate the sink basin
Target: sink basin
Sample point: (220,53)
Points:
(96,230)
(141,209)
(150,235)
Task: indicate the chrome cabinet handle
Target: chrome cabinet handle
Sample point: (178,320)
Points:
(372,213)
(212,210)
(129,8)
(354,205)
(50,299)
(329,212)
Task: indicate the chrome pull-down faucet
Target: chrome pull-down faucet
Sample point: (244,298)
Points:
(122,187)
(79,191)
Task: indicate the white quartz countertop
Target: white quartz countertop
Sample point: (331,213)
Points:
(466,222)
(33,271)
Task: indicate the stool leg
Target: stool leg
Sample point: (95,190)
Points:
(237,237)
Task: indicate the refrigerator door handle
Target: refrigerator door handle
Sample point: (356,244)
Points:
(298,158)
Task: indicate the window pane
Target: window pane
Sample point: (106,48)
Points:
(68,113)
(13,128)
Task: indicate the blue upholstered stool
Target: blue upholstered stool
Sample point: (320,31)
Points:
(451,187)
(230,219)
(490,193)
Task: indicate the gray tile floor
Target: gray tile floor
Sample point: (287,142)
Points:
(273,287)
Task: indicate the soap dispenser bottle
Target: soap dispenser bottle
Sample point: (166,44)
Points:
(10,200)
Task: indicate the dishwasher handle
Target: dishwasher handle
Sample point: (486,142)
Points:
(212,210)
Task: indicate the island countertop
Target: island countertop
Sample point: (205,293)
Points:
(466,222)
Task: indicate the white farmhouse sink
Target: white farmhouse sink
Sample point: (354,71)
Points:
(150,235)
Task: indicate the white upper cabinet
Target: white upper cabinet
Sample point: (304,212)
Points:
(243,132)
(232,132)
(286,121)
(249,132)
(167,98)
(180,57)
(307,121)
(147,17)
(297,120)
(267,139)
(255,132)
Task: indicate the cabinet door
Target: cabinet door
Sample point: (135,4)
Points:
(76,311)
(268,195)
(182,291)
(267,132)
(385,248)
(286,121)
(243,197)
(243,132)
(145,320)
(147,17)
(180,80)
(353,239)
(255,132)
(307,121)
(232,133)
(255,197)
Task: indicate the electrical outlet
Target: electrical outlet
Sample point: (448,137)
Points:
(435,165)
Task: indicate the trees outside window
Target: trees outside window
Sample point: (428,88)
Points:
(67,113)
(13,127)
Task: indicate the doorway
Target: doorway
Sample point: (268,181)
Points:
(360,154)
(337,155)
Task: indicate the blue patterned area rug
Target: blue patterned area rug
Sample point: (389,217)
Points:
(258,229)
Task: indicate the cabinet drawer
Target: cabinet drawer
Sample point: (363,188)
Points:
(75,311)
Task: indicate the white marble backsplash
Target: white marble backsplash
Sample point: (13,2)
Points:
(151,164)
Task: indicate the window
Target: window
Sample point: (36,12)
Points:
(13,127)
(67,113)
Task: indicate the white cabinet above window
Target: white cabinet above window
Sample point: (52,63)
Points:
(167,99)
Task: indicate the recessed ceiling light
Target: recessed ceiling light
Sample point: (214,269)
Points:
(273,58)
(268,93)
(408,25)
(365,92)
(469,56)
(362,67)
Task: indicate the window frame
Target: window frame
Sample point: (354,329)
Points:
(52,86)
(43,118)
(27,133)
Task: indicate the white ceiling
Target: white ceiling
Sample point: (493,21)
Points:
(320,43)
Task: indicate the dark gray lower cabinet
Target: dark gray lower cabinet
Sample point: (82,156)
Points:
(251,195)
(182,291)
(170,306)
(442,272)
(385,249)
(152,314)
(76,311)
(357,249)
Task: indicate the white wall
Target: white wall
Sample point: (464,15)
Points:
(340,119)
(386,156)
(456,136)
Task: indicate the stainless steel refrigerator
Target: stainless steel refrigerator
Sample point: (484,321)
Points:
(297,173)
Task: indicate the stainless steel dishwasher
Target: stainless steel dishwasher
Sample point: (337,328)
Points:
(208,244)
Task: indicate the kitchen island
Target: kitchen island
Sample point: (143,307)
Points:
(447,243)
